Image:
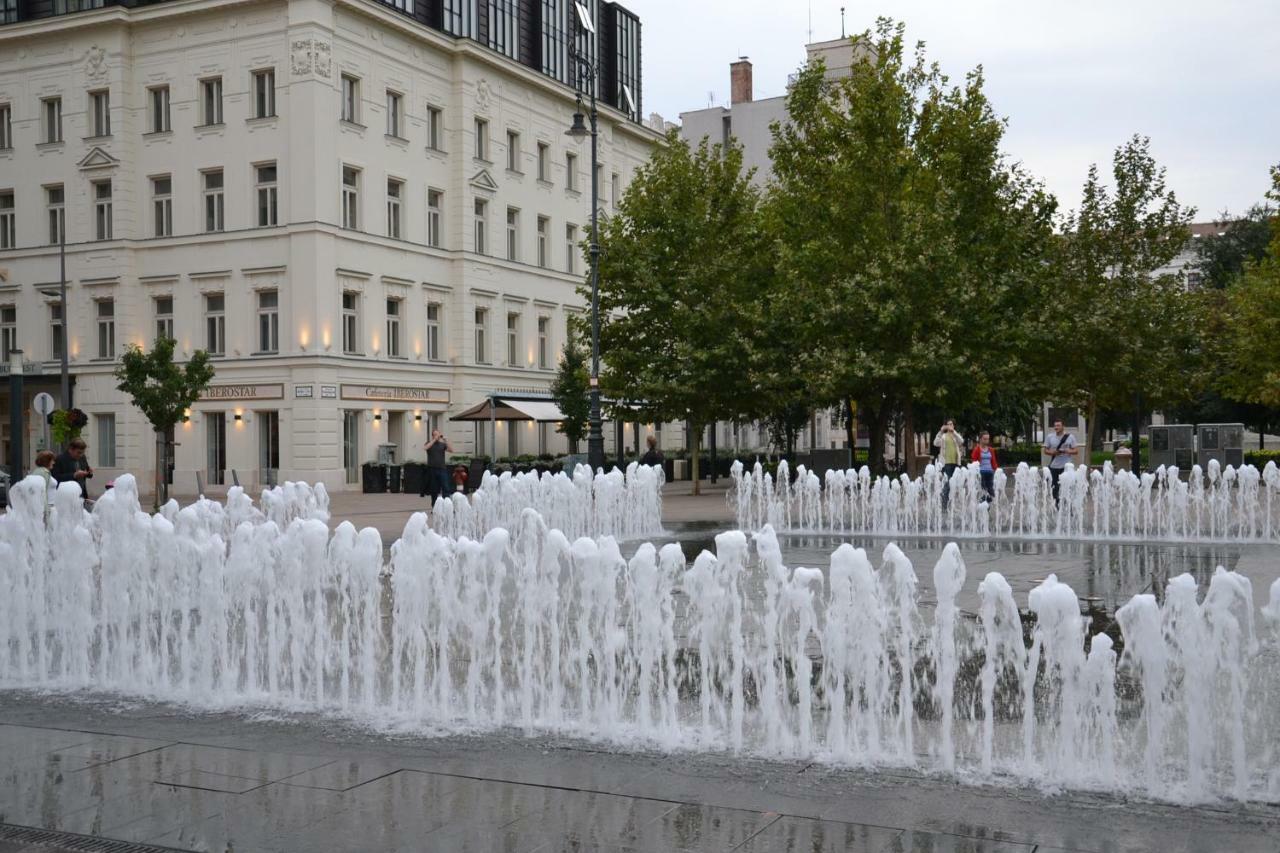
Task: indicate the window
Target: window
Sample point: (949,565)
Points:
(51,119)
(504,18)
(513,340)
(350,323)
(215,323)
(214,200)
(216,447)
(482,139)
(395,190)
(482,328)
(158,98)
(350,197)
(55,200)
(458,17)
(544,152)
(102,209)
(544,226)
(513,234)
(433,331)
(106,310)
(264,93)
(8,331)
(268,444)
(435,214)
(435,128)
(393,328)
(162,206)
(395,114)
(55,330)
(513,151)
(211,101)
(571,171)
(350,99)
(105,440)
(615,191)
(164,317)
(570,248)
(544,342)
(482,212)
(100,113)
(268,321)
(351,445)
(268,197)
(8,221)
(6,126)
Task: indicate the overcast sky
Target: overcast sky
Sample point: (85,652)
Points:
(1075,78)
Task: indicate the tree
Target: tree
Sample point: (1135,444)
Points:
(1132,331)
(164,391)
(683,260)
(1221,257)
(571,389)
(913,250)
(1252,327)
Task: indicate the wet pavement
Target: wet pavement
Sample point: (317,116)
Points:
(159,776)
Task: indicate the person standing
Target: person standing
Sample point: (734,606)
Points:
(436,483)
(44,464)
(985,455)
(1060,447)
(72,467)
(950,446)
(652,456)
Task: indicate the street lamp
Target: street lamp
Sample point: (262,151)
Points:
(16,452)
(586,73)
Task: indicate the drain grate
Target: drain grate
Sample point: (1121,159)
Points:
(71,841)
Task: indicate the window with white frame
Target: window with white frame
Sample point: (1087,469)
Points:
(544,229)
(56,336)
(215,323)
(162,206)
(268,321)
(100,113)
(105,439)
(482,226)
(435,218)
(571,171)
(435,128)
(214,200)
(395,192)
(433,331)
(264,93)
(51,119)
(6,127)
(350,197)
(482,139)
(102,210)
(211,101)
(163,306)
(395,114)
(267,192)
(570,248)
(482,335)
(351,323)
(513,234)
(8,221)
(544,155)
(513,151)
(106,315)
(513,340)
(55,205)
(544,342)
(350,99)
(393,328)
(158,109)
(8,331)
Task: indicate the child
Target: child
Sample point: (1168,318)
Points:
(985,455)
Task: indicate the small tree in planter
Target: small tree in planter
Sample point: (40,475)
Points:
(163,391)
(66,424)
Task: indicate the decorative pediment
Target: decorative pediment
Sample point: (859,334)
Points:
(483,180)
(98,159)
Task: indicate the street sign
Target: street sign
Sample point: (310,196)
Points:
(43,404)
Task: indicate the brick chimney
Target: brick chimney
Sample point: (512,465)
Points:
(740,81)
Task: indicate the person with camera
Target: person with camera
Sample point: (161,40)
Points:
(950,446)
(72,467)
(1060,447)
(436,483)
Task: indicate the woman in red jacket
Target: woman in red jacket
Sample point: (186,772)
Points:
(985,455)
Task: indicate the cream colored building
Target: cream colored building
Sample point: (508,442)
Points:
(373,222)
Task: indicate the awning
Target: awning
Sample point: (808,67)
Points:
(542,411)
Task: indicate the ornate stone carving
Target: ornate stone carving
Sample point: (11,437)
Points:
(311,56)
(321,52)
(484,95)
(301,57)
(95,63)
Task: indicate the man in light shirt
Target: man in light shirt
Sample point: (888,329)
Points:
(1060,447)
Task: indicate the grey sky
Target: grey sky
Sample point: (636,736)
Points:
(1075,79)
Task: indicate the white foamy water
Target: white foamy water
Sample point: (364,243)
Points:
(1220,504)
(230,606)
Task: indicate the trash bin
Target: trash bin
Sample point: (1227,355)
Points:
(393,479)
(373,478)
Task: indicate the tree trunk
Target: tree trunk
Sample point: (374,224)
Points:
(851,430)
(695,436)
(875,420)
(159,469)
(1092,410)
(909,437)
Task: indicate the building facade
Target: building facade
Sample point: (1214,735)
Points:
(368,211)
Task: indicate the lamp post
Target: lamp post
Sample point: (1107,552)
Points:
(65,386)
(585,67)
(16,452)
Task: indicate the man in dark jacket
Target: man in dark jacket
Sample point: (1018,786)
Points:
(72,467)
(652,456)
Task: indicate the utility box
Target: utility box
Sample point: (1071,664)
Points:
(1224,442)
(1172,444)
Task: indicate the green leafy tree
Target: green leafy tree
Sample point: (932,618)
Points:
(571,390)
(1252,327)
(683,259)
(1221,258)
(163,390)
(1126,330)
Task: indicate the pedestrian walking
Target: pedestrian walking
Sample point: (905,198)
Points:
(43,469)
(72,467)
(652,456)
(436,483)
(950,446)
(1060,447)
(985,455)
